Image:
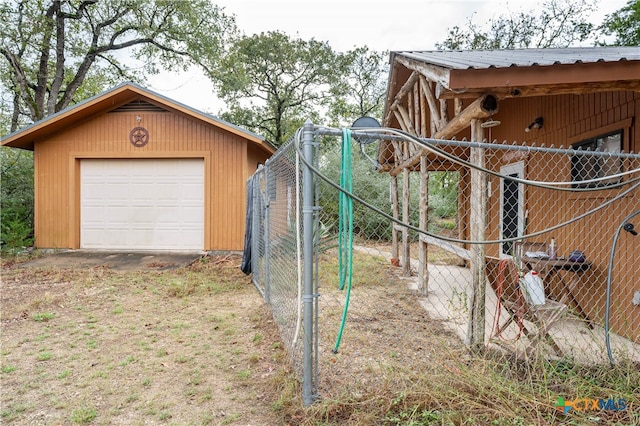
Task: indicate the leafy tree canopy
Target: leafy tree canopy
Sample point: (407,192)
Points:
(624,24)
(57,52)
(362,89)
(557,23)
(272,82)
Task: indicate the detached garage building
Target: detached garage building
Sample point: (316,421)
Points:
(132,170)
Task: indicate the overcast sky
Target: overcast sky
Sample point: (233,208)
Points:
(381,25)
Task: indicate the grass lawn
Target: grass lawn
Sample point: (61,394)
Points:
(198,345)
(190,346)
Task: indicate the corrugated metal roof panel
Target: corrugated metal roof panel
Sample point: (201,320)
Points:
(482,59)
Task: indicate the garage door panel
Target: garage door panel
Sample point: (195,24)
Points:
(143,214)
(193,234)
(116,215)
(191,192)
(142,204)
(168,191)
(116,236)
(96,238)
(142,239)
(116,191)
(142,191)
(95,213)
(195,213)
(169,215)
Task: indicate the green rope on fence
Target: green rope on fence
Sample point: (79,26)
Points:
(345,229)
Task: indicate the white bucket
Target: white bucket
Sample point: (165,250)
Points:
(533,289)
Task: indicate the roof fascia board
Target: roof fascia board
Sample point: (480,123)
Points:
(391,85)
(560,74)
(115,94)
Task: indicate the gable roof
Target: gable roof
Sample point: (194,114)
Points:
(119,96)
(514,71)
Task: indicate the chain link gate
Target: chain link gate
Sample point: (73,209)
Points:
(419,265)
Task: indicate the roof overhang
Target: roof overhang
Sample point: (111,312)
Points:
(430,78)
(517,80)
(122,94)
(544,80)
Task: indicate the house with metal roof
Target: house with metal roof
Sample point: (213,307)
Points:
(572,118)
(130,169)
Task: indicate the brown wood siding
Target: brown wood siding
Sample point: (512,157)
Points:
(254,159)
(568,119)
(57,162)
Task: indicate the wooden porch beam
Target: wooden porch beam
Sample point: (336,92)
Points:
(409,126)
(397,100)
(523,92)
(400,118)
(399,151)
(425,122)
(423,247)
(425,88)
(482,107)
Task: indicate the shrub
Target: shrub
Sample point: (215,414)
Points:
(373,187)
(16,202)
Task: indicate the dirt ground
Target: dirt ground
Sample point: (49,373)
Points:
(114,261)
(194,345)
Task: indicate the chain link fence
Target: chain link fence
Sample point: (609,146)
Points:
(276,243)
(441,254)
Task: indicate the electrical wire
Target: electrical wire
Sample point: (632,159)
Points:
(457,240)
(346,191)
(425,142)
(547,185)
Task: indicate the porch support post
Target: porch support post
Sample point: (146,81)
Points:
(478,221)
(423,248)
(395,252)
(406,251)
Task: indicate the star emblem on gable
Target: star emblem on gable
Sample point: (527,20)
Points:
(139,137)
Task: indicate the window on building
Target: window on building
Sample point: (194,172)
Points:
(585,168)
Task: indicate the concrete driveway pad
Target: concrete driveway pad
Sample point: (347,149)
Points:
(118,261)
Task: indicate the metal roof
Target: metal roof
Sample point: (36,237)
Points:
(483,59)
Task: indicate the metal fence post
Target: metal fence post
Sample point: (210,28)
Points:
(267,237)
(308,208)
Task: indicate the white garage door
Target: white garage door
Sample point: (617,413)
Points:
(155,204)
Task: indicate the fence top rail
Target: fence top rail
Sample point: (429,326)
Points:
(384,134)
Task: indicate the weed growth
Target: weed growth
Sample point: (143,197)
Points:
(83,415)
(43,316)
